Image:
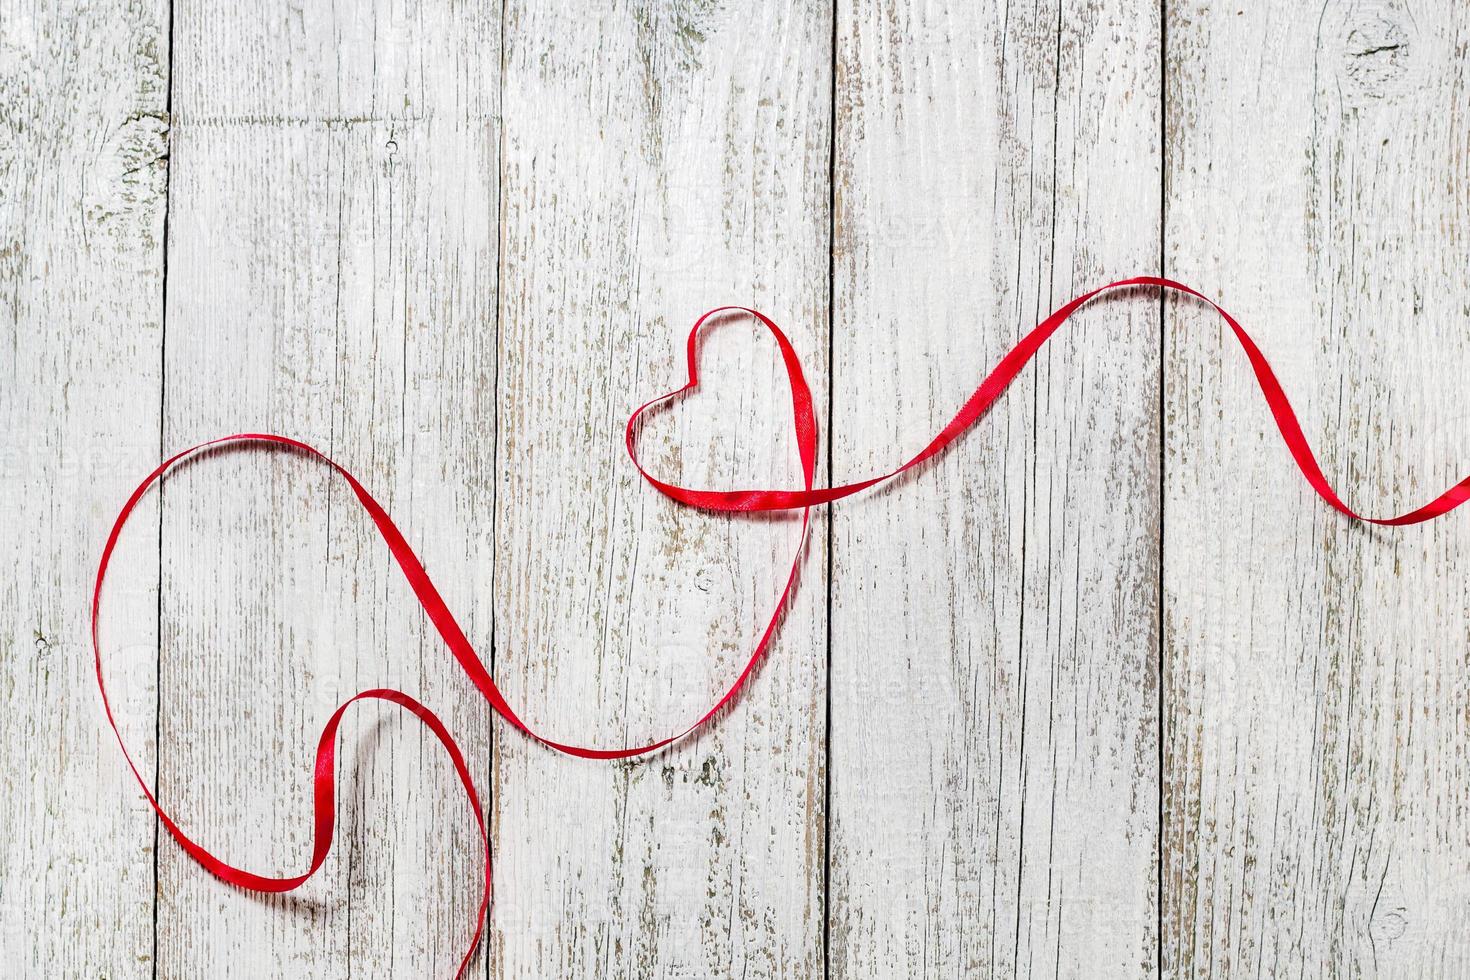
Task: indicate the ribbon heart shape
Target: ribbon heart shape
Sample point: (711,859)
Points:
(802,498)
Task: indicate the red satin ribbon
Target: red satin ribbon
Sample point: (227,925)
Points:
(804,498)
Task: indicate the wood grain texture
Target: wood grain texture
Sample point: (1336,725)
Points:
(453,244)
(332,275)
(1318,167)
(660,158)
(83,136)
(994,619)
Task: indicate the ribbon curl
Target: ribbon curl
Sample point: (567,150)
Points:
(728,501)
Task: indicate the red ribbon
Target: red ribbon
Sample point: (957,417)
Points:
(804,498)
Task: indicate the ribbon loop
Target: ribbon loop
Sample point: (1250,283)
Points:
(731,501)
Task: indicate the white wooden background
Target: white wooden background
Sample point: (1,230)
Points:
(1103,692)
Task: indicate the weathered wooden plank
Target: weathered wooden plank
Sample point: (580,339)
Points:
(1317,696)
(332,265)
(83,136)
(994,620)
(658,160)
